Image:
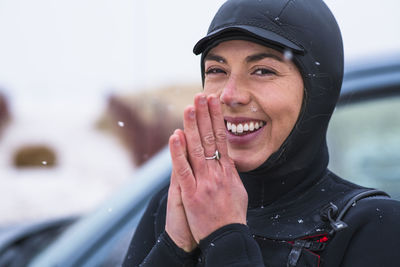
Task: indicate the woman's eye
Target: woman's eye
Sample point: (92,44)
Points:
(214,71)
(263,71)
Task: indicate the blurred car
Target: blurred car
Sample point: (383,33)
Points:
(364,142)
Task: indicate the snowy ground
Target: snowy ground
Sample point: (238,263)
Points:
(91,164)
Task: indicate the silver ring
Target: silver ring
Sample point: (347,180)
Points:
(216,155)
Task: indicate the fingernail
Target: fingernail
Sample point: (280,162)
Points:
(191,113)
(177,141)
(214,100)
(203,100)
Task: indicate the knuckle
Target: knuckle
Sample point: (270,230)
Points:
(184,172)
(220,135)
(209,139)
(198,152)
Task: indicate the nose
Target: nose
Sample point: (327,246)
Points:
(234,93)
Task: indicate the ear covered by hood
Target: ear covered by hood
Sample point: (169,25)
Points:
(307,29)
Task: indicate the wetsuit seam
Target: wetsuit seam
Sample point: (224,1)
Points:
(283,9)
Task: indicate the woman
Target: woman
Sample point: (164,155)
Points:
(250,184)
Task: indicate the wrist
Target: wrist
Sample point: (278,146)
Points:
(185,245)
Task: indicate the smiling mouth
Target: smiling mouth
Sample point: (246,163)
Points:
(244,128)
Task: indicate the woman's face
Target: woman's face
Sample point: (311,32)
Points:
(261,94)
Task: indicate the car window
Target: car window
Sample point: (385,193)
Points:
(364,143)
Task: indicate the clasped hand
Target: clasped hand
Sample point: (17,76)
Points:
(204,195)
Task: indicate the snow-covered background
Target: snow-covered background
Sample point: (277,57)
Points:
(60,59)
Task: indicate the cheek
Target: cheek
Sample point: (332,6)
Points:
(282,106)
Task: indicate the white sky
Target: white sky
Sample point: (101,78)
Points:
(89,47)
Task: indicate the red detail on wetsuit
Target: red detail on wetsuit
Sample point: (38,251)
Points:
(323,239)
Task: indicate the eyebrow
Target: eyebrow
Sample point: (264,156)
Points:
(249,59)
(214,57)
(260,56)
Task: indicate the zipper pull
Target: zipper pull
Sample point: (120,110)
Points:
(328,213)
(295,253)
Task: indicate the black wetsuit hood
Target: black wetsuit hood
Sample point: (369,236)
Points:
(309,32)
(310,216)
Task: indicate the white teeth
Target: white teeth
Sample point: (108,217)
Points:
(233,128)
(251,127)
(244,127)
(239,128)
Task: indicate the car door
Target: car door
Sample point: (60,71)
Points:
(364,133)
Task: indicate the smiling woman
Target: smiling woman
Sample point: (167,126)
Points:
(261,94)
(249,183)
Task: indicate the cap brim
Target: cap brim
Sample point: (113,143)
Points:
(263,35)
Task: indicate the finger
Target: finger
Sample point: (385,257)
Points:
(182,171)
(195,149)
(182,139)
(204,125)
(180,134)
(218,125)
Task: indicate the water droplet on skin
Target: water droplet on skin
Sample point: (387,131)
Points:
(287,54)
(121,124)
(300,221)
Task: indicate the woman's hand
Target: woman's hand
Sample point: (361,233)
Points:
(212,193)
(176,225)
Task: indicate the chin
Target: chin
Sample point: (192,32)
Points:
(242,166)
(245,163)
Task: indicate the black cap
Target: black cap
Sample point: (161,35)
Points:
(253,19)
(258,35)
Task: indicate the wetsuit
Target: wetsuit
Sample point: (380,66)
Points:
(274,231)
(294,214)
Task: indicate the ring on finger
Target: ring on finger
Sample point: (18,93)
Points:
(216,155)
